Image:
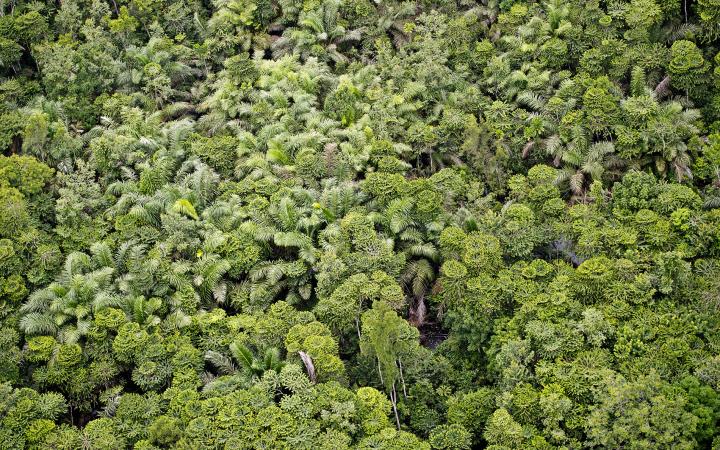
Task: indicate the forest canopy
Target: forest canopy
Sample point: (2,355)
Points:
(360,224)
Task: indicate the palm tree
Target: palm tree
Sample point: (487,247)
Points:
(418,277)
(392,18)
(137,309)
(158,70)
(317,29)
(64,307)
(584,164)
(661,132)
(252,367)
(669,133)
(208,277)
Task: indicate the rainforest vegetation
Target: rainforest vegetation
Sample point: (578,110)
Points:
(360,224)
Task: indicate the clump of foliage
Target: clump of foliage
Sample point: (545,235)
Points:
(336,224)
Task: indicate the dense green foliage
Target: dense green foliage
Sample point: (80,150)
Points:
(329,224)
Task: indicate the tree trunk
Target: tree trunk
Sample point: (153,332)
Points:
(393,399)
(309,366)
(662,87)
(402,378)
(380,372)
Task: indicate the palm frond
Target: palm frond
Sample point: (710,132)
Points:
(242,355)
(36,323)
(222,363)
(712,202)
(426,250)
